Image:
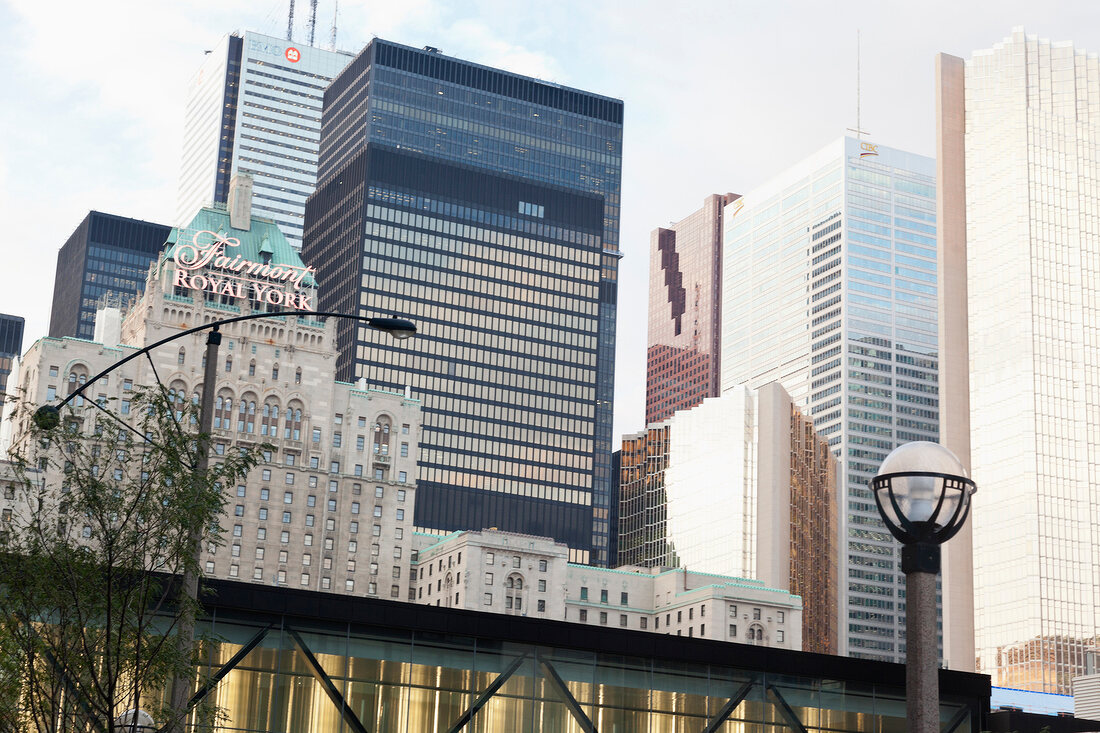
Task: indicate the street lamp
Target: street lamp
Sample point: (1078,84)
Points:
(49,416)
(923,495)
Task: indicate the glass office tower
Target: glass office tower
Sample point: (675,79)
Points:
(685,283)
(1020,123)
(105,260)
(11,348)
(485,206)
(829,288)
(254,107)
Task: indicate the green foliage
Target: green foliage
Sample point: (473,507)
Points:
(108,520)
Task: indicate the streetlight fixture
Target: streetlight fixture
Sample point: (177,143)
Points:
(923,494)
(49,417)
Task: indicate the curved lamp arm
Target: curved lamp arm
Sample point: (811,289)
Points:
(49,416)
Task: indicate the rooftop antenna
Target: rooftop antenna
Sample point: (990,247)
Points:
(290,22)
(335,11)
(859,131)
(312,19)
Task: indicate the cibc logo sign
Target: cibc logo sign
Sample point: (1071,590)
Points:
(290,53)
(867,149)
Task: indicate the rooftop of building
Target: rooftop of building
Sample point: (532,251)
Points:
(262,239)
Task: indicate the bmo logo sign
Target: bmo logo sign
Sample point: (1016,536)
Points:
(290,53)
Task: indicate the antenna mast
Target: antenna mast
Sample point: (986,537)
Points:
(312,19)
(335,11)
(290,22)
(859,131)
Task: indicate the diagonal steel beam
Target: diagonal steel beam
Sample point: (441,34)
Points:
(728,709)
(66,679)
(228,667)
(958,719)
(788,713)
(570,702)
(346,712)
(488,693)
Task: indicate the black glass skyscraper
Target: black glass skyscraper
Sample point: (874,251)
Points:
(11,348)
(107,256)
(485,206)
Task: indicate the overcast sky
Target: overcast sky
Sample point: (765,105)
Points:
(719,97)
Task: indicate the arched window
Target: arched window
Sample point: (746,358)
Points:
(182,356)
(223,411)
(292,427)
(298,376)
(252,368)
(269,421)
(513,594)
(756,634)
(382,435)
(246,415)
(275,371)
(229,363)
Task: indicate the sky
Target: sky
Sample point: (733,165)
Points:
(719,96)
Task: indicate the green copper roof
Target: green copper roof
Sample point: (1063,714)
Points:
(264,238)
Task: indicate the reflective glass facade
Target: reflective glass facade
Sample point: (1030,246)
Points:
(255,107)
(829,287)
(1032,258)
(497,231)
(11,348)
(685,280)
(378,666)
(106,259)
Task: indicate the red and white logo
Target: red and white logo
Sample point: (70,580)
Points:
(293,55)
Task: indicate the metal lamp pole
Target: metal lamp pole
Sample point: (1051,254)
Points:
(49,416)
(923,495)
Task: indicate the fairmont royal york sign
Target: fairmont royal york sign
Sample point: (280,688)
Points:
(226,274)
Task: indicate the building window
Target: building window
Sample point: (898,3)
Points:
(400,514)
(603,596)
(733,631)
(234,570)
(622,620)
(305,578)
(490,558)
(542,566)
(257,573)
(756,614)
(542,586)
(584,593)
(542,606)
(643,622)
(583,615)
(603,618)
(779,636)
(402,477)
(487,599)
(781,617)
(624,599)
(488,578)
(733,611)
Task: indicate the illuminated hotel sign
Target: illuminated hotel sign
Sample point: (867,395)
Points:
(232,275)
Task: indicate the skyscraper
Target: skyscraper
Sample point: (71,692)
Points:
(254,107)
(738,485)
(11,348)
(1020,244)
(829,288)
(685,283)
(105,259)
(485,206)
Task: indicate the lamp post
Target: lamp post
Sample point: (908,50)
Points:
(49,416)
(923,494)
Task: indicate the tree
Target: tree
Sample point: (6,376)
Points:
(90,561)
